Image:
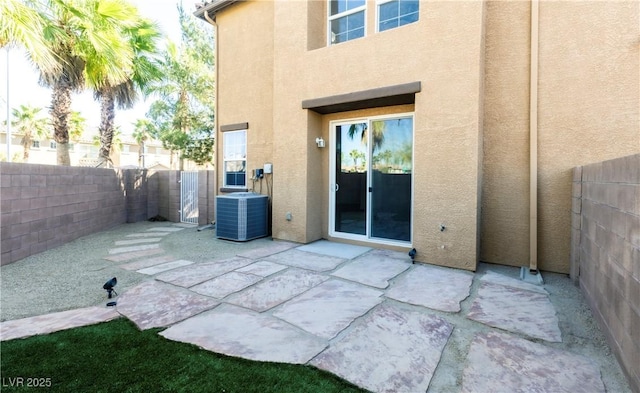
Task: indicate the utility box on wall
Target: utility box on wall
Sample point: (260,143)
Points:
(241,216)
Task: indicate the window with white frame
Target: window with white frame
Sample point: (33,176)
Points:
(235,158)
(346,20)
(396,13)
(53,145)
(35,144)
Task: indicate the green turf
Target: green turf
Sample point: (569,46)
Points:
(116,357)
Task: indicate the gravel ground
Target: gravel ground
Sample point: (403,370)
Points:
(71,276)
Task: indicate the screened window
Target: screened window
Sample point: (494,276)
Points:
(346,20)
(235,158)
(35,144)
(53,145)
(396,13)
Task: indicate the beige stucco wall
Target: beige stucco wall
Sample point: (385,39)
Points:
(588,112)
(471,117)
(444,51)
(245,80)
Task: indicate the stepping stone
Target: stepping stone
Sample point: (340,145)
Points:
(516,310)
(163,267)
(392,350)
(164,229)
(329,308)
(152,234)
(137,265)
(235,331)
(403,256)
(137,241)
(200,272)
(501,279)
(154,304)
(134,255)
(185,225)
(49,323)
(277,289)
(226,284)
(500,363)
(141,247)
(262,252)
(262,268)
(338,250)
(436,288)
(372,269)
(306,260)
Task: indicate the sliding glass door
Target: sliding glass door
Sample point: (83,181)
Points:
(371,183)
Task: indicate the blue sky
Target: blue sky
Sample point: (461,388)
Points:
(23,79)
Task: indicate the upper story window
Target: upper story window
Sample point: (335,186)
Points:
(53,145)
(346,20)
(235,158)
(396,13)
(35,144)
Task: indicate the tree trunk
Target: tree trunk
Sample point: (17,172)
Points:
(26,145)
(60,110)
(107,114)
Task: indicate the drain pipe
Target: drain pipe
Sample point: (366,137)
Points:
(533,141)
(215,114)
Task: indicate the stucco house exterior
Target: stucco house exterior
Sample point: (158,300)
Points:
(425,124)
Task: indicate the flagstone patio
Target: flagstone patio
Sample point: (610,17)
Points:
(369,316)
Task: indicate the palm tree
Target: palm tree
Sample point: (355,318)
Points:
(143,129)
(116,145)
(92,47)
(377,137)
(24,25)
(77,125)
(143,39)
(183,113)
(31,125)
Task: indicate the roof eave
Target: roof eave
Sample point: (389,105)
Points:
(212,8)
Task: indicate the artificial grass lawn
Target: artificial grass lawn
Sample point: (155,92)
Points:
(116,357)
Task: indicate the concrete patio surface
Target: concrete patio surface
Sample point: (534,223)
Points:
(366,315)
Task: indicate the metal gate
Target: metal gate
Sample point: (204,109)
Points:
(189,197)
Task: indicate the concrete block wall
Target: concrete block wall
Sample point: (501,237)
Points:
(206,197)
(141,193)
(44,206)
(169,195)
(605,252)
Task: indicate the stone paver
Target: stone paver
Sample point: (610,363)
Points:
(133,255)
(200,272)
(163,267)
(148,234)
(436,288)
(338,250)
(516,310)
(141,247)
(306,260)
(276,247)
(329,308)
(262,268)
(226,284)
(154,304)
(235,331)
(501,279)
(500,363)
(392,350)
(277,289)
(372,269)
(165,229)
(48,323)
(137,241)
(143,263)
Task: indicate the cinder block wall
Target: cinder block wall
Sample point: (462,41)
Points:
(605,252)
(169,195)
(141,193)
(206,197)
(44,206)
